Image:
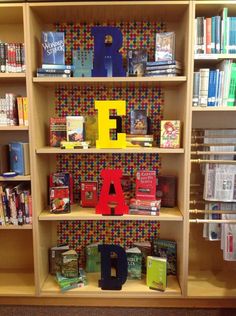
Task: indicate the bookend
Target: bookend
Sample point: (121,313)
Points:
(109,282)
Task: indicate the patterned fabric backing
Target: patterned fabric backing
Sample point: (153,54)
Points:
(79,100)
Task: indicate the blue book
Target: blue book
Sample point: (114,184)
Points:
(213,35)
(211,88)
(59,67)
(19,158)
(53,47)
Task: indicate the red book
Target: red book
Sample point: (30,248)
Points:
(57,131)
(167,190)
(89,193)
(208,35)
(59,200)
(61,179)
(146,185)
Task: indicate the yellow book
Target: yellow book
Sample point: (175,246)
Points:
(157,273)
(20,111)
(26,111)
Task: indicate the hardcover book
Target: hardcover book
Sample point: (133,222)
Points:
(61,179)
(93,258)
(53,48)
(138,123)
(146,250)
(59,200)
(4,158)
(89,193)
(91,129)
(167,190)
(82,62)
(134,259)
(170,134)
(165,46)
(166,249)
(69,264)
(146,185)
(75,128)
(54,254)
(156,273)
(57,131)
(19,158)
(136,61)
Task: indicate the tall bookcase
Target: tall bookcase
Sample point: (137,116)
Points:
(27,250)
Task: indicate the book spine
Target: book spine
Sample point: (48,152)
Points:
(20,111)
(232,87)
(53,71)
(143,212)
(225,38)
(203,86)
(208,35)
(25,107)
(196,80)
(211,88)
(217,37)
(213,35)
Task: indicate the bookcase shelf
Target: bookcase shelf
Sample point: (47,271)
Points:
(12,77)
(214,109)
(14,128)
(17,178)
(79,213)
(6,227)
(17,283)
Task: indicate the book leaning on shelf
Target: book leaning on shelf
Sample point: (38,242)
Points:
(19,158)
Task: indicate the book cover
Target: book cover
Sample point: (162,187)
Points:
(91,129)
(75,128)
(89,193)
(165,46)
(59,200)
(57,131)
(82,62)
(54,254)
(138,122)
(166,249)
(146,185)
(4,158)
(136,62)
(146,250)
(93,258)
(170,134)
(69,264)
(25,106)
(19,101)
(19,158)
(167,190)
(61,179)
(156,273)
(134,259)
(53,48)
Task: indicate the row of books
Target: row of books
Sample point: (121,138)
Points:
(15,204)
(14,110)
(215,87)
(216,34)
(12,57)
(169,68)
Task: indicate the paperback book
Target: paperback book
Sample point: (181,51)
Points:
(54,255)
(57,131)
(75,128)
(53,48)
(134,259)
(138,123)
(166,249)
(165,46)
(146,185)
(136,61)
(170,134)
(156,273)
(89,193)
(93,258)
(59,200)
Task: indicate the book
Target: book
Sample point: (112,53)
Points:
(170,134)
(59,200)
(91,129)
(138,122)
(67,284)
(167,190)
(196,80)
(146,250)
(93,258)
(19,158)
(134,259)
(203,86)
(150,205)
(82,62)
(57,131)
(89,193)
(145,212)
(69,264)
(156,273)
(4,158)
(59,67)
(166,249)
(75,128)
(165,46)
(54,256)
(25,106)
(136,62)
(145,185)
(61,179)
(53,48)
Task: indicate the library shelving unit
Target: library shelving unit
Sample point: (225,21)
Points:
(27,249)
(16,264)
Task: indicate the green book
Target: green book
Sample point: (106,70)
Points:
(232,86)
(93,258)
(166,249)
(134,259)
(69,265)
(157,273)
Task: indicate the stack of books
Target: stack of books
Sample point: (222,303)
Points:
(169,68)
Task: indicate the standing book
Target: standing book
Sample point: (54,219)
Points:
(19,158)
(53,48)
(146,185)
(134,259)
(166,249)
(156,273)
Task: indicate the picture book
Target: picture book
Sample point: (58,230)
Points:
(146,250)
(136,62)
(93,258)
(89,193)
(61,179)
(146,185)
(69,264)
(156,273)
(166,249)
(54,255)
(134,259)
(165,46)
(19,158)
(57,131)
(138,122)
(170,134)
(82,62)
(59,200)
(75,128)
(91,129)
(167,190)
(53,48)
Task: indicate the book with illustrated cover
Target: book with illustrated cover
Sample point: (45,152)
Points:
(53,48)
(167,190)
(54,255)
(82,62)
(156,273)
(91,129)
(136,62)
(4,158)
(59,200)
(61,179)
(89,193)
(57,131)
(93,258)
(69,264)
(170,134)
(165,46)
(146,185)
(166,249)
(75,128)
(134,259)
(138,122)
(146,250)
(19,158)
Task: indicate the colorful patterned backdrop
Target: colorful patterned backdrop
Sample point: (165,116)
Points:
(80,101)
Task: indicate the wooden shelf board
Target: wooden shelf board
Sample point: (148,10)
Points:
(16,227)
(79,213)
(214,109)
(131,289)
(153,150)
(12,77)
(114,81)
(17,178)
(14,128)
(16,284)
(212,284)
(211,8)
(216,57)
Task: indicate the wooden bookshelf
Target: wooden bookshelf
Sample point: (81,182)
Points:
(17,284)
(20,227)
(17,178)
(14,128)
